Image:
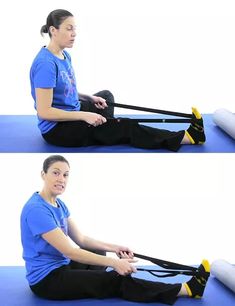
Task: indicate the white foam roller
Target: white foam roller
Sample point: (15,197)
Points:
(224,272)
(225,120)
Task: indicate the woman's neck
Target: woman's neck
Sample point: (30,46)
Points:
(48,198)
(56,50)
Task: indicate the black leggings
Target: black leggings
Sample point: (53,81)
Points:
(80,133)
(77,281)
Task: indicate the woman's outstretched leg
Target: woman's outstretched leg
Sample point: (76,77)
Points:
(67,282)
(125,131)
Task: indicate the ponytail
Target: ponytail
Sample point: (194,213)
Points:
(44,29)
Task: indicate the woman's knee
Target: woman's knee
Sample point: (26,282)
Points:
(106,94)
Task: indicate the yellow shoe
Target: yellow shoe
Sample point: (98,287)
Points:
(195,132)
(197,284)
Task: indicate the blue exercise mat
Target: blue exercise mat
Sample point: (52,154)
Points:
(14,291)
(19,134)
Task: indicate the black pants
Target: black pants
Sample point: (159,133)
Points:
(77,281)
(80,133)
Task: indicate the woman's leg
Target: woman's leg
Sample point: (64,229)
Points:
(66,283)
(80,134)
(193,135)
(124,131)
(80,266)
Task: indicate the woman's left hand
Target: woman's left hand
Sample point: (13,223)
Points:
(124,252)
(99,102)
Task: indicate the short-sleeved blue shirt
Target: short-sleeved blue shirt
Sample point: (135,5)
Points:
(49,71)
(40,217)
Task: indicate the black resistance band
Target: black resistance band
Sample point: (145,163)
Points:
(149,120)
(172,269)
(150,110)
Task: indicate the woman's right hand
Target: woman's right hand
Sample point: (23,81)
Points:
(124,266)
(94,118)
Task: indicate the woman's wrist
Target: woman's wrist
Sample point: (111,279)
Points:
(111,262)
(81,115)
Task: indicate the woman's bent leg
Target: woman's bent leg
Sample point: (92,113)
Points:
(78,265)
(89,106)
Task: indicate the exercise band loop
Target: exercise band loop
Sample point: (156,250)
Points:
(172,268)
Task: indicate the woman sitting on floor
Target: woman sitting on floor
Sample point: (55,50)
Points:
(59,270)
(71,119)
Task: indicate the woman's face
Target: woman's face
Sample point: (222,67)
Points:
(65,35)
(56,178)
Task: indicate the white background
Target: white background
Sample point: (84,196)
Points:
(164,54)
(168,54)
(178,207)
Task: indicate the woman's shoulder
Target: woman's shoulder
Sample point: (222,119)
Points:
(44,56)
(43,60)
(34,202)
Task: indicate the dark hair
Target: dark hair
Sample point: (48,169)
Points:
(51,160)
(55,18)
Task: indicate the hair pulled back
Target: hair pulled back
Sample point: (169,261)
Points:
(51,160)
(55,18)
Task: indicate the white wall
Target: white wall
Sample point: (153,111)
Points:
(178,207)
(168,54)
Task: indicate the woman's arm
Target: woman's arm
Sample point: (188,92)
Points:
(47,112)
(84,97)
(99,102)
(90,243)
(62,243)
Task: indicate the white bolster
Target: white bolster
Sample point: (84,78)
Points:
(225,120)
(224,272)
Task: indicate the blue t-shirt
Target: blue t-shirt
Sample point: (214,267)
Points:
(40,217)
(48,71)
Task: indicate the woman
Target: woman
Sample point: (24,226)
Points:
(58,269)
(71,119)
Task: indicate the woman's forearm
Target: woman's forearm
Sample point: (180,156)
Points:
(121,266)
(86,257)
(90,243)
(55,114)
(84,97)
